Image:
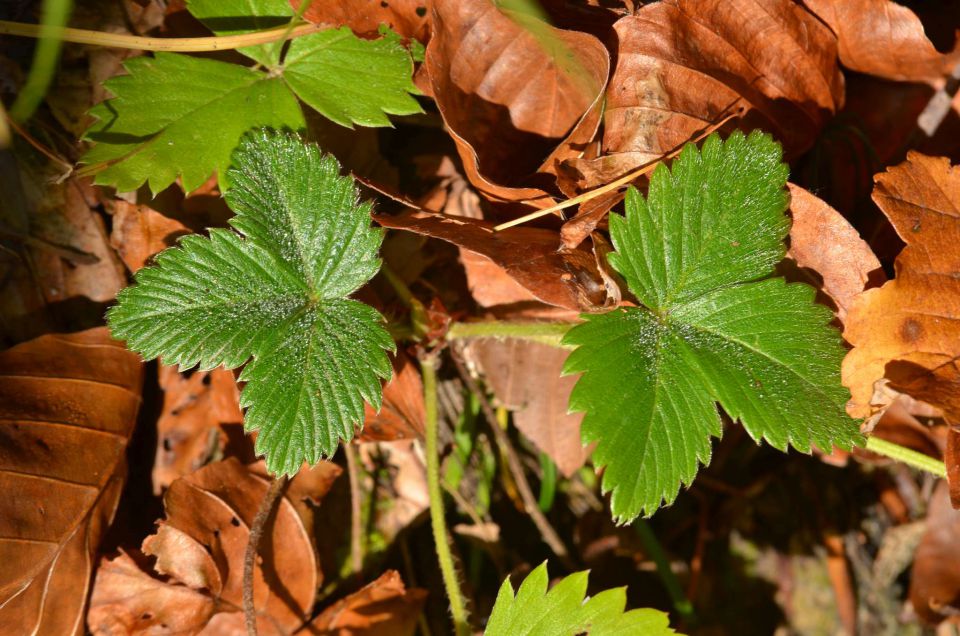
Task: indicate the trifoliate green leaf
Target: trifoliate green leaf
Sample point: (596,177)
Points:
(179,115)
(274,291)
(233,17)
(562,611)
(698,254)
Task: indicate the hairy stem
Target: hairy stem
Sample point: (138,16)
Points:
(458,607)
(136,42)
(906,456)
(267,505)
(550,333)
(655,551)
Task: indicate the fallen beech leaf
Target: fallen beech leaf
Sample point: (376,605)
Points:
(139,232)
(684,64)
(490,284)
(909,329)
(189,431)
(883,38)
(201,544)
(526,377)
(531,256)
(822,240)
(406,495)
(68,404)
(402,414)
(382,608)
(364,17)
(127,601)
(517,95)
(935,577)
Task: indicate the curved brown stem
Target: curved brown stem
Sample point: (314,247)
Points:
(267,504)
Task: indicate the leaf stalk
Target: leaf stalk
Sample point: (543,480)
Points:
(550,333)
(907,456)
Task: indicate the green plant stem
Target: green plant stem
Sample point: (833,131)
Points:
(906,456)
(548,485)
(653,548)
(55,14)
(458,607)
(550,333)
(183,45)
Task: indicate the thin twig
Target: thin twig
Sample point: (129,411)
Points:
(625,180)
(438,524)
(356,512)
(139,43)
(267,505)
(550,536)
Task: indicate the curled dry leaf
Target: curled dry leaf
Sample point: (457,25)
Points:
(517,95)
(382,608)
(526,377)
(68,404)
(364,17)
(139,232)
(402,414)
(823,241)
(909,330)
(884,38)
(685,64)
(201,544)
(190,429)
(935,578)
(531,256)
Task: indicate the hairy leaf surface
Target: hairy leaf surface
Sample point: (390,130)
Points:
(176,115)
(274,291)
(563,610)
(698,253)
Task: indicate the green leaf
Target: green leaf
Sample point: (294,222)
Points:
(274,291)
(351,80)
(698,253)
(234,17)
(178,115)
(562,610)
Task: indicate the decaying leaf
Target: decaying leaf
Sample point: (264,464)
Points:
(516,94)
(909,330)
(383,608)
(526,377)
(884,38)
(68,404)
(189,431)
(823,241)
(531,256)
(684,64)
(364,17)
(935,578)
(200,547)
(401,415)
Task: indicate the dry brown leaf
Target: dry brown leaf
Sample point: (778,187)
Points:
(189,431)
(884,38)
(402,414)
(382,608)
(139,232)
(407,496)
(935,577)
(517,95)
(200,546)
(531,256)
(909,329)
(364,17)
(526,378)
(127,601)
(823,241)
(684,64)
(68,404)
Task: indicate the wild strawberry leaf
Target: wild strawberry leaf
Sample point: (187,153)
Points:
(714,326)
(562,611)
(274,293)
(175,115)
